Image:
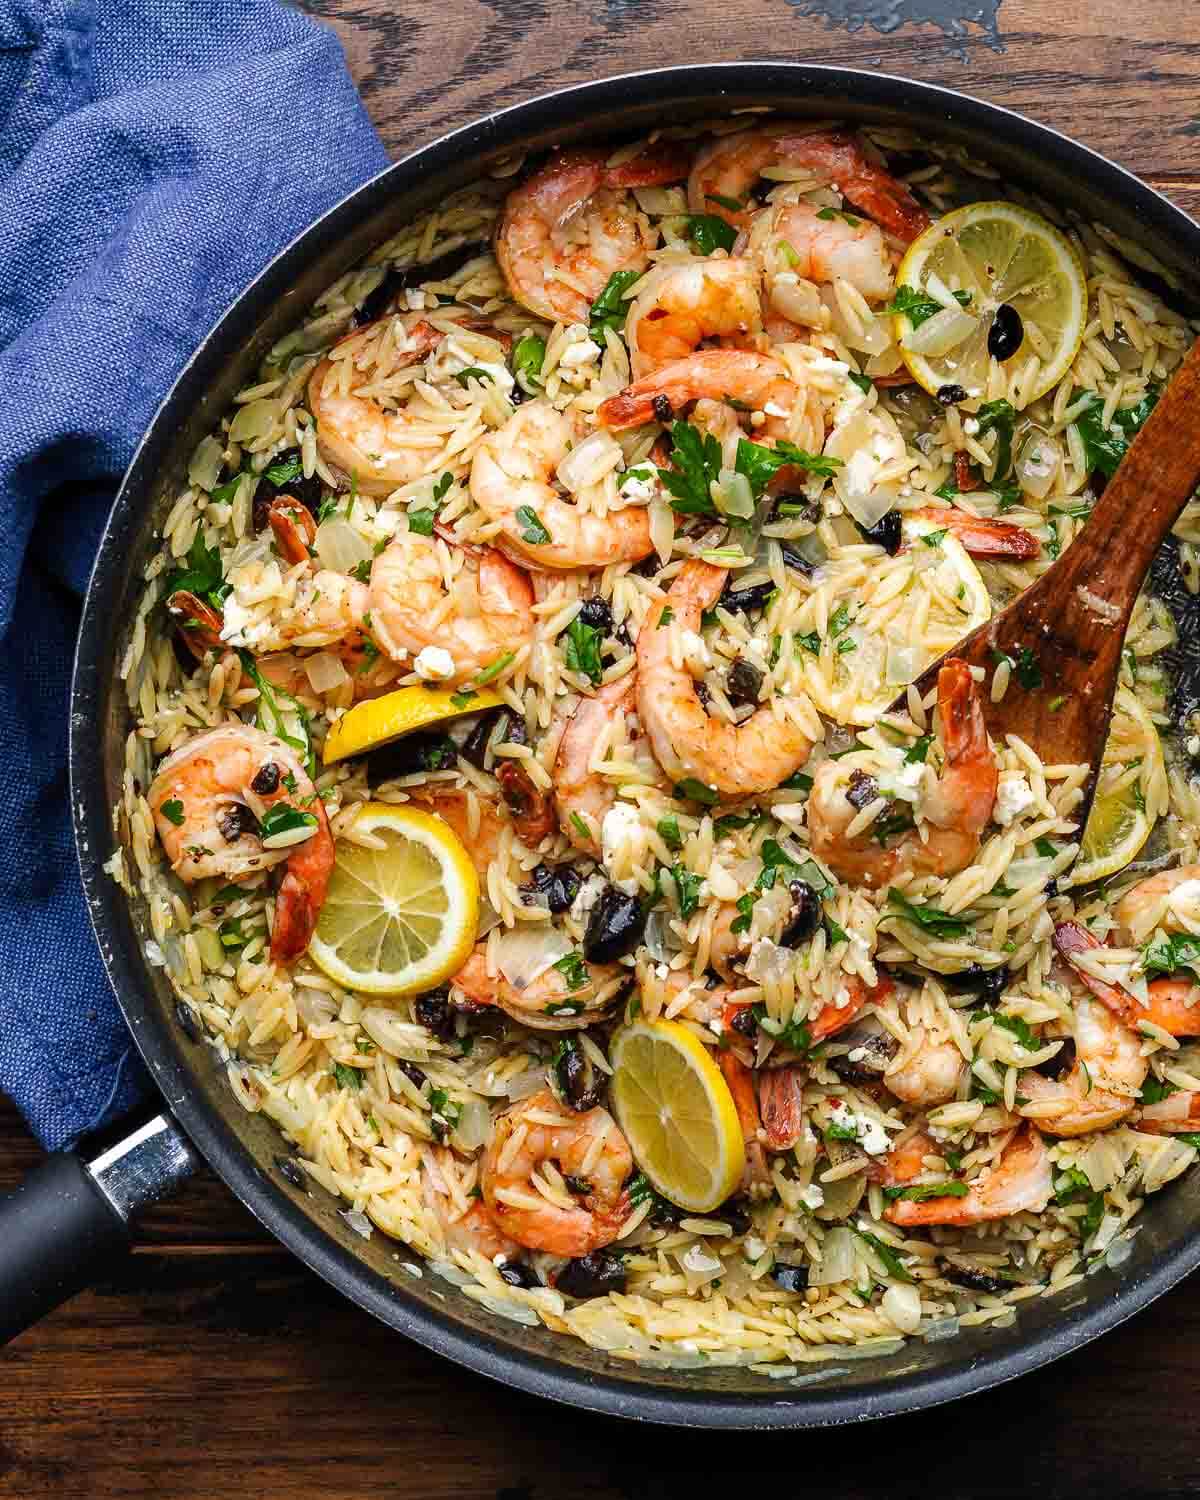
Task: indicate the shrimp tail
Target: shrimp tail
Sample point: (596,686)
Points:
(781,1103)
(293,528)
(833,1018)
(199,624)
(983,537)
(302,892)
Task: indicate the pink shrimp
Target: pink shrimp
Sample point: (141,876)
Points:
(980,536)
(1021,1181)
(756,380)
(553,1001)
(1173,1003)
(781,1105)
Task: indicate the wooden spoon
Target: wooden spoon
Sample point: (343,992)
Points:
(1064,634)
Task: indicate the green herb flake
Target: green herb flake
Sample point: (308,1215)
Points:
(695,791)
(573,969)
(532,530)
(934,538)
(922,1192)
(202,575)
(688,887)
(1105,447)
(999,417)
(895,1266)
(668,831)
(918,752)
(610,308)
(1172,953)
(581,651)
(347,1077)
(472,372)
(172,810)
(759,464)
(697,460)
(580,827)
(528,357)
(709,232)
(938,923)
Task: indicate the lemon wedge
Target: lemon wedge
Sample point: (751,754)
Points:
(400,919)
(995,255)
(1122,815)
(677,1114)
(379,721)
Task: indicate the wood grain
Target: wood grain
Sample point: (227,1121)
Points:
(214,1365)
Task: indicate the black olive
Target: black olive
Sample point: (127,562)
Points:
(396,281)
(806,509)
(410,1070)
(1062,1061)
(415,752)
(186,1017)
(433,1011)
(558,883)
(266,780)
(615,927)
(743,682)
(1050,888)
(951,395)
(790,1278)
(597,613)
(592,1275)
(309,492)
(474,747)
(990,982)
(742,601)
(795,560)
(885,533)
(736,1215)
(235,820)
(862,791)
(745,1022)
(580,1186)
(804,915)
(291,1171)
(578,1081)
(662,409)
(1007,332)
(516,1273)
(973,1277)
(878,1049)
(703,694)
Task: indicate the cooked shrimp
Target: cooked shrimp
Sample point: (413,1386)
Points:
(537,1149)
(905,1161)
(745,1100)
(1173,1004)
(756,380)
(1021,1181)
(680,306)
(549,1002)
(929,1077)
(579,792)
(728,168)
(511,481)
(328,609)
(209,798)
(781,1104)
(980,536)
(569,227)
(470,1229)
(199,624)
(359,437)
(369,675)
(830,248)
(478,832)
(735,760)
(1102,1085)
(1177,1114)
(955,809)
(853,996)
(1161,900)
(293,528)
(488,613)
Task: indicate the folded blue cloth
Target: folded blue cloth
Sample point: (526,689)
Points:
(154,155)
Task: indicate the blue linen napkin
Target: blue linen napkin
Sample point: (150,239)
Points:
(154,155)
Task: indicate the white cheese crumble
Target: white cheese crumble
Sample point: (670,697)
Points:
(640,483)
(434,664)
(699,1261)
(696,655)
(812,1197)
(971,426)
(1013,796)
(870,1136)
(621,823)
(582,353)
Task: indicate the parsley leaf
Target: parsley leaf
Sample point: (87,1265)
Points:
(688,886)
(1179,950)
(759,464)
(668,831)
(444,1113)
(283,471)
(532,530)
(202,576)
(709,232)
(1105,447)
(916,306)
(1020,1029)
(696,791)
(282,817)
(937,923)
(610,307)
(793,1034)
(582,650)
(1001,418)
(895,1266)
(528,356)
(922,1192)
(863,382)
(733,205)
(1155,1090)
(918,751)
(290,723)
(934,538)
(172,810)
(697,460)
(472,372)
(347,1077)
(573,969)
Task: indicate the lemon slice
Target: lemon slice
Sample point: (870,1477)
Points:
(1002,255)
(379,721)
(677,1113)
(863,666)
(1122,815)
(400,919)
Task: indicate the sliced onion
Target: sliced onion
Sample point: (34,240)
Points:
(522,1085)
(314,1007)
(524,953)
(901,1305)
(394,1035)
(474,1124)
(842,1197)
(254,420)
(340,546)
(1023,872)
(599,454)
(661,940)
(796,300)
(732,494)
(938,1329)
(874,338)
(1037,464)
(870,508)
(205,464)
(837,1259)
(325,672)
(941,333)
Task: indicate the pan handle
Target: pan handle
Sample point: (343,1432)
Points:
(70,1218)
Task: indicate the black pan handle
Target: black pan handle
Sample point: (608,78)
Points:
(70,1219)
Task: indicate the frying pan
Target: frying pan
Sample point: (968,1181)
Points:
(71,1216)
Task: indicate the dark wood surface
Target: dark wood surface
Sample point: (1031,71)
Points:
(212,1365)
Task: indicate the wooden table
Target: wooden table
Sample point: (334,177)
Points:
(214,1365)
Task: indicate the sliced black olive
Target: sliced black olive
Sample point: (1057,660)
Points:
(862,791)
(1007,332)
(1050,888)
(597,613)
(745,1022)
(1062,1061)
(186,1018)
(736,1215)
(975,1278)
(434,1012)
(558,883)
(803,916)
(291,1171)
(309,492)
(795,560)
(877,1048)
(703,694)
(951,395)
(592,1275)
(580,1186)
(235,820)
(579,1082)
(516,1273)
(790,1278)
(742,601)
(266,780)
(410,1070)
(615,927)
(743,682)
(415,752)
(397,281)
(991,983)
(885,533)
(662,409)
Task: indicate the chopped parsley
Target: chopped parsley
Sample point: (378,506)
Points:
(918,752)
(1105,447)
(202,576)
(934,538)
(937,923)
(172,810)
(709,232)
(472,372)
(668,831)
(1045,849)
(445,1113)
(1155,1090)
(793,1034)
(347,1077)
(688,887)
(1020,1029)
(528,356)
(759,464)
(697,460)
(573,969)
(232,935)
(493,669)
(580,826)
(731,205)
(532,530)
(581,650)
(668,614)
(610,307)
(922,1192)
(798,781)
(1179,950)
(696,791)
(283,471)
(328,507)
(895,1266)
(863,382)
(288,723)
(999,417)
(421,521)
(282,817)
(916,306)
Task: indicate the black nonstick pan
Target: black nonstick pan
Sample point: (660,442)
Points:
(71,1216)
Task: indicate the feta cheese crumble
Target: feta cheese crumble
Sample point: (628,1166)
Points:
(434,664)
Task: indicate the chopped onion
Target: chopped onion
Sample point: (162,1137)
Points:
(254,420)
(521,1085)
(901,1305)
(524,953)
(474,1124)
(340,546)
(842,1197)
(325,672)
(941,333)
(1037,464)
(837,1259)
(870,508)
(660,939)
(599,454)
(874,338)
(205,464)
(393,1035)
(314,1007)
(938,1329)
